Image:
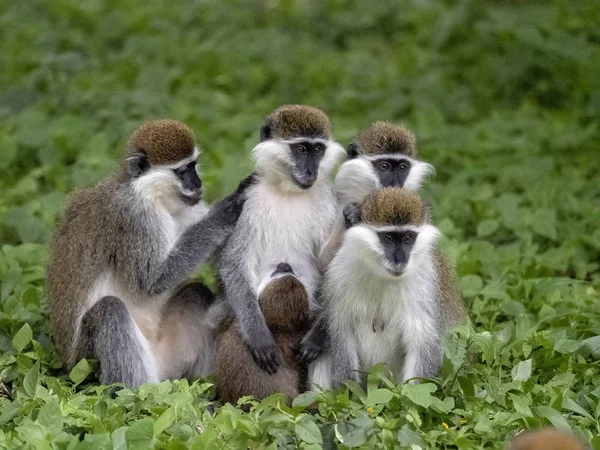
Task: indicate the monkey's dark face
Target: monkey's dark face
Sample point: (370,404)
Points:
(392,172)
(397,246)
(191,185)
(306,156)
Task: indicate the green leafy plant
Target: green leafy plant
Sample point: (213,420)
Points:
(503,97)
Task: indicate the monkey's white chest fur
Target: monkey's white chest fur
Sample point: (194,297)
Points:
(286,227)
(381,318)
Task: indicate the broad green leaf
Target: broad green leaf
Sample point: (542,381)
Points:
(50,416)
(31,380)
(554,416)
(487,227)
(522,371)
(141,433)
(593,344)
(544,223)
(164,421)
(22,338)
(305,399)
(572,405)
(80,372)
(308,431)
(379,396)
(521,405)
(419,394)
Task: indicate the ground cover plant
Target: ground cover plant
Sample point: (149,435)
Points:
(504,97)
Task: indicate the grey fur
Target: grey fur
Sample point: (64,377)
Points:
(107,333)
(109,229)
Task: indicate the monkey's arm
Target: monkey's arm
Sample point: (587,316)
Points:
(316,341)
(423,355)
(243,301)
(196,244)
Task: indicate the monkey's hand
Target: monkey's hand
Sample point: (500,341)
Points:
(310,350)
(264,353)
(352,214)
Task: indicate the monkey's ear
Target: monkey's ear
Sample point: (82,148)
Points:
(352,151)
(265,133)
(352,214)
(137,164)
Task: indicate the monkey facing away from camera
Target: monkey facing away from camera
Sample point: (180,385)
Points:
(389,292)
(384,155)
(121,253)
(284,305)
(287,216)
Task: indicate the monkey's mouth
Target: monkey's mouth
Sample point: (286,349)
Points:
(191,198)
(304,183)
(395,270)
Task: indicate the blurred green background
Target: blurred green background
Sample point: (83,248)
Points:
(504,97)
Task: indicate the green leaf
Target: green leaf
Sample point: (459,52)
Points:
(31,380)
(521,405)
(50,416)
(118,439)
(487,227)
(22,338)
(379,396)
(471,285)
(305,399)
(544,223)
(9,281)
(522,371)
(80,372)
(572,405)
(593,344)
(308,431)
(419,394)
(141,433)
(554,416)
(164,421)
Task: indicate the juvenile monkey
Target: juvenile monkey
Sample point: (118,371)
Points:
(545,439)
(287,217)
(284,305)
(390,293)
(121,252)
(382,156)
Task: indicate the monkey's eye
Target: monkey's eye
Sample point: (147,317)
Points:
(319,149)
(389,238)
(301,149)
(408,237)
(385,166)
(403,166)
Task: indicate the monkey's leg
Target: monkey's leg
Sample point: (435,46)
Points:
(316,341)
(186,345)
(344,359)
(109,333)
(423,359)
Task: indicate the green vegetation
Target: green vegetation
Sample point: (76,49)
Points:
(504,97)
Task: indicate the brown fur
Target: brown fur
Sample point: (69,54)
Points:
(384,137)
(394,206)
(453,310)
(546,439)
(284,303)
(290,121)
(164,141)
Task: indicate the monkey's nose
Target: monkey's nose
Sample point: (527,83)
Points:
(284,268)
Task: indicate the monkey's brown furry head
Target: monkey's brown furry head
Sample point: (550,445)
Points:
(292,121)
(384,137)
(284,304)
(545,439)
(394,206)
(163,141)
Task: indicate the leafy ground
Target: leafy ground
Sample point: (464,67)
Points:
(505,99)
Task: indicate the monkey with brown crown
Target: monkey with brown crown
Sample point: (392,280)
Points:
(120,257)
(390,294)
(545,439)
(284,304)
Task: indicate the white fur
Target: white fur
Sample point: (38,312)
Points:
(375,313)
(355,180)
(283,223)
(157,191)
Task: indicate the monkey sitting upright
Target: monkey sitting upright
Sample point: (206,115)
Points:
(390,294)
(284,305)
(122,250)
